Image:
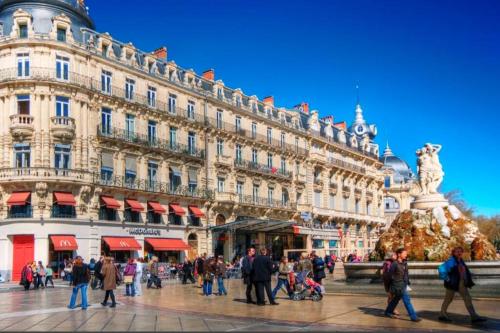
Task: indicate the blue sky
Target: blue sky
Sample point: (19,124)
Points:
(427,70)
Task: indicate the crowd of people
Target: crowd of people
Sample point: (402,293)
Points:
(256,271)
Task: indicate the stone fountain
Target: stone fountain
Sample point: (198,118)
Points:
(430,230)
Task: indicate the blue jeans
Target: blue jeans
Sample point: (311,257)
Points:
(74,295)
(130,289)
(207,288)
(220,286)
(406,301)
(281,283)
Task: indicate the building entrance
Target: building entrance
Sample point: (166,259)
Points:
(24,252)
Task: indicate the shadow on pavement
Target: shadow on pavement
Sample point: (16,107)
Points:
(461,320)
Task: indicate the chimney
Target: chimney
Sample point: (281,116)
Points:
(304,107)
(269,100)
(328,119)
(342,125)
(209,74)
(160,53)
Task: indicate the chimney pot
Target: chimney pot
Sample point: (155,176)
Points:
(269,100)
(160,53)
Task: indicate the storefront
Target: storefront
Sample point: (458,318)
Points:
(120,248)
(168,250)
(236,237)
(61,248)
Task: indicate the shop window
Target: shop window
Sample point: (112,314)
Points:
(318,244)
(61,34)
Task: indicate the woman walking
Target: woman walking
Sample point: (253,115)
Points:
(138,276)
(48,276)
(128,277)
(283,273)
(80,280)
(109,274)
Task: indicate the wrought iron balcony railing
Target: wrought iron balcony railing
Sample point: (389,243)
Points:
(263,169)
(151,142)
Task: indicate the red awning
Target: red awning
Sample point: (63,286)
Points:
(135,205)
(196,211)
(110,202)
(178,210)
(167,244)
(122,243)
(18,198)
(296,230)
(64,242)
(157,207)
(65,199)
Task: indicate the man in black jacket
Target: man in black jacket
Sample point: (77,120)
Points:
(261,276)
(199,263)
(246,273)
(97,271)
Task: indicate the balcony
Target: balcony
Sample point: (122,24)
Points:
(37,174)
(62,127)
(224,160)
(143,140)
(145,185)
(346,165)
(21,125)
(262,169)
(265,202)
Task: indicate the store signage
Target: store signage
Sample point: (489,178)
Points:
(144,231)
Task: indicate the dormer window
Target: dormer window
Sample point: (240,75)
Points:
(23,30)
(219,93)
(61,34)
(105,50)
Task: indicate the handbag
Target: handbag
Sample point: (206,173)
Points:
(128,279)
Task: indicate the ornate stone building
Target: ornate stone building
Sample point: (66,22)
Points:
(106,149)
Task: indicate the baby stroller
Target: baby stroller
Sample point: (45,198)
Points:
(305,286)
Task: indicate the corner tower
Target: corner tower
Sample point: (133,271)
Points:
(42,13)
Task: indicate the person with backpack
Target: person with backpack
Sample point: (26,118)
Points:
(386,276)
(110,279)
(128,277)
(457,278)
(80,279)
(399,282)
(318,266)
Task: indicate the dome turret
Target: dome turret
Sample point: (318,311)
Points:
(42,12)
(402,171)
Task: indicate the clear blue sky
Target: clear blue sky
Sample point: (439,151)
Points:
(427,70)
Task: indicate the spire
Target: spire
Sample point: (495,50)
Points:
(387,150)
(359,112)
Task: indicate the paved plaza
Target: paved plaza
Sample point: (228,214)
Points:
(182,308)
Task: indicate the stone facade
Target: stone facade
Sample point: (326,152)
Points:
(97,118)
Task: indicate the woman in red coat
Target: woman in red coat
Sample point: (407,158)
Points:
(26,276)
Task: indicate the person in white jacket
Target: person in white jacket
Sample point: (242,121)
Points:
(138,277)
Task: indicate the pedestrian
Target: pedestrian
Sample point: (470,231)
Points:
(305,264)
(283,273)
(26,276)
(48,276)
(246,273)
(68,271)
(34,272)
(220,273)
(209,269)
(318,266)
(400,281)
(40,273)
(261,277)
(97,272)
(199,268)
(330,262)
(457,278)
(128,277)
(153,273)
(138,276)
(187,268)
(109,273)
(80,279)
(386,276)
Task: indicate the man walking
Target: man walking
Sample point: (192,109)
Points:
(261,276)
(399,281)
(246,273)
(457,278)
